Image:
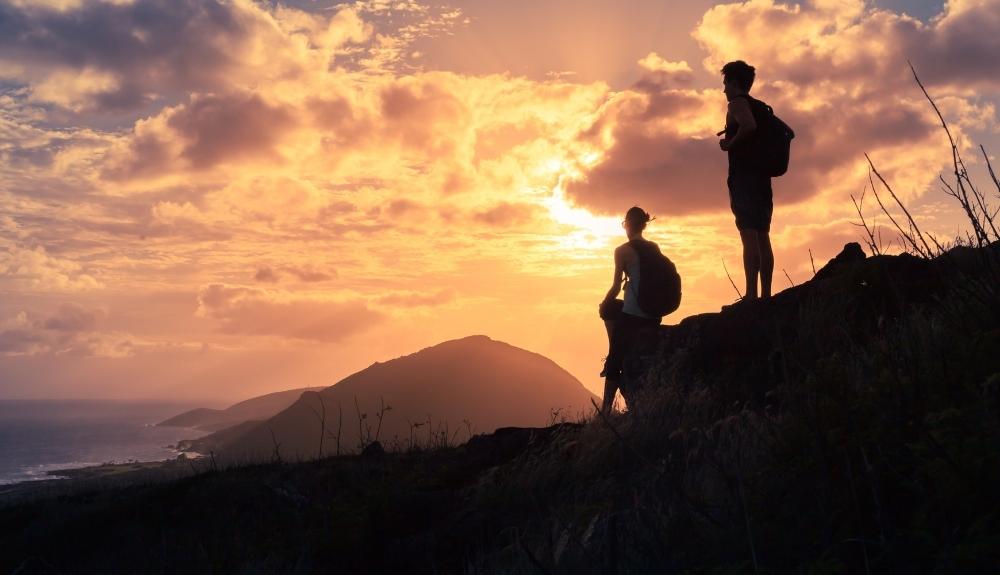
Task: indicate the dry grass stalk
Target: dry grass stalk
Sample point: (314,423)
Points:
(923,249)
(874,243)
(738,294)
(978,212)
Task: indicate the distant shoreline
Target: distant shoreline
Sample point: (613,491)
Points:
(99,477)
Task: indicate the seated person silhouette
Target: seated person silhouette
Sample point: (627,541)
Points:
(624,320)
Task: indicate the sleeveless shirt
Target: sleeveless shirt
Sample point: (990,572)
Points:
(743,157)
(631,306)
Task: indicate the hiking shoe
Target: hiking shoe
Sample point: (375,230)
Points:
(744,303)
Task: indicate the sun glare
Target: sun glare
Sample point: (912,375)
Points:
(592,231)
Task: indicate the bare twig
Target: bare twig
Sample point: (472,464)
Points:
(812,262)
(340,424)
(966,206)
(738,294)
(362,438)
(413,426)
(959,167)
(982,200)
(789,277)
(981,203)
(321,416)
(989,166)
(383,409)
(869,231)
(277,446)
(926,252)
(909,239)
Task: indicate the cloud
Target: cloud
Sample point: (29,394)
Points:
(161,48)
(418,299)
(250,311)
(70,330)
(828,43)
(311,275)
(835,71)
(71,318)
(660,73)
(506,214)
(38,269)
(267,274)
(205,132)
(415,109)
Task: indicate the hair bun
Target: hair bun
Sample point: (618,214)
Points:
(637,214)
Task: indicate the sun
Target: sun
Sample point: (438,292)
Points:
(588,231)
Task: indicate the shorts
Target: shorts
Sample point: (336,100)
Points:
(624,336)
(750,198)
(611,310)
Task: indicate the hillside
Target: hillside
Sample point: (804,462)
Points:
(437,395)
(849,425)
(255,408)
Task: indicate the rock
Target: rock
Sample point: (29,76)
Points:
(738,351)
(851,253)
(373,449)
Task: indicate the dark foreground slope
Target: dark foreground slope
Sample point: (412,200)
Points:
(255,408)
(851,425)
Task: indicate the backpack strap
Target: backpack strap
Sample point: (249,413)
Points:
(642,246)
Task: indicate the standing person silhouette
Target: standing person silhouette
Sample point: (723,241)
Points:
(624,320)
(750,195)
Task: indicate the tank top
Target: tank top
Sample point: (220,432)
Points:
(631,306)
(743,158)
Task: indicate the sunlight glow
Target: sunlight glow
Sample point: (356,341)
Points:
(593,232)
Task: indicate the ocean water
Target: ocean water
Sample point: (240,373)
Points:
(38,436)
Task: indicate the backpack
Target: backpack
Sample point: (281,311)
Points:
(660,284)
(774,139)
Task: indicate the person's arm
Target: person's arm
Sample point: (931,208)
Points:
(616,283)
(739,108)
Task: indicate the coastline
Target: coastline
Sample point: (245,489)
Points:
(74,480)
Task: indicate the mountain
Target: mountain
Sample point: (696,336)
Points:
(440,395)
(256,408)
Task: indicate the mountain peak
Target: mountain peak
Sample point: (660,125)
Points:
(459,387)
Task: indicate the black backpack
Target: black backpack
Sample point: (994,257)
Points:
(659,283)
(774,139)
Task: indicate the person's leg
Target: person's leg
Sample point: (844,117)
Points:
(766,263)
(751,261)
(610,312)
(609,325)
(610,389)
(613,364)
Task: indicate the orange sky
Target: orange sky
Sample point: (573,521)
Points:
(211,200)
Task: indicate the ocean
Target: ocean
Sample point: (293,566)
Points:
(38,436)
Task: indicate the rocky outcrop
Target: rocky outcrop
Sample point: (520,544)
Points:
(849,298)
